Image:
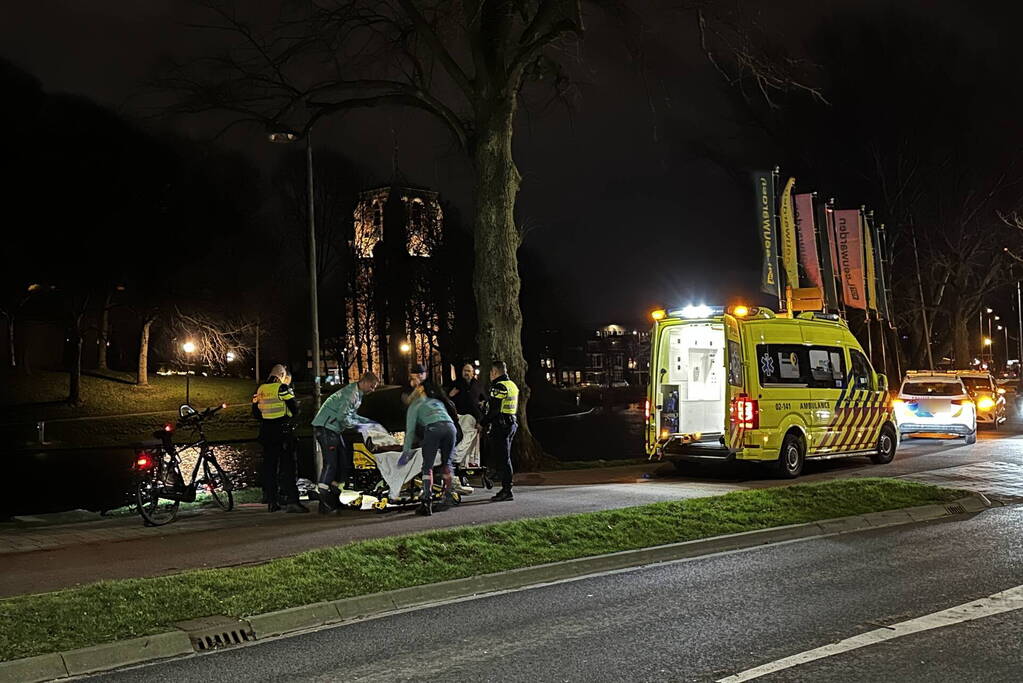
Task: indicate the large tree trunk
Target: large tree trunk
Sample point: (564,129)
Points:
(104,334)
(10,342)
(75,370)
(496,275)
(142,374)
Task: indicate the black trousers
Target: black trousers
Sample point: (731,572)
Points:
(499,441)
(279,461)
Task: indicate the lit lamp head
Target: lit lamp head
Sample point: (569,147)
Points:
(230,356)
(188,347)
(405,347)
(987,341)
(281,137)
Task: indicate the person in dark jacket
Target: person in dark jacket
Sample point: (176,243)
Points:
(467,394)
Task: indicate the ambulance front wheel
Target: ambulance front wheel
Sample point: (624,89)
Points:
(791,458)
(885,446)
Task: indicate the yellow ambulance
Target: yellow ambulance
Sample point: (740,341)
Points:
(747,384)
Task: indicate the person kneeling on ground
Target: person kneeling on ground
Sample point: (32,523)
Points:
(439,434)
(338,413)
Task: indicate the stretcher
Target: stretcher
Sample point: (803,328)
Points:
(378,481)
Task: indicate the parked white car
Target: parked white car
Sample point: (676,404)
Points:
(935,403)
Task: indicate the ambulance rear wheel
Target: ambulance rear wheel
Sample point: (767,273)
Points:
(791,458)
(885,446)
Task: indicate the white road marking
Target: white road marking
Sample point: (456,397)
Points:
(1006,601)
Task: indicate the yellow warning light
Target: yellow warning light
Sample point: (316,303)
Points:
(664,433)
(740,311)
(658,314)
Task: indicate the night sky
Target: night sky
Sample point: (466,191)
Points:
(622,209)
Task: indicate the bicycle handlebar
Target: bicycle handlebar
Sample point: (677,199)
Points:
(202,415)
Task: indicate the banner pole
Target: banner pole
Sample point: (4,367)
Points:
(776,173)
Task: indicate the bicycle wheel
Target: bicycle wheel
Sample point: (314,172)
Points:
(157,511)
(217,483)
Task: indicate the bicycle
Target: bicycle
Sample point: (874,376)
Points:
(161,488)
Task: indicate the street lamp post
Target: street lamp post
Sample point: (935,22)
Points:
(287,137)
(189,348)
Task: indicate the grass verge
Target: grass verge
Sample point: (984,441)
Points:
(112,610)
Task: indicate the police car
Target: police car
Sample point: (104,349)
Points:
(935,403)
(749,384)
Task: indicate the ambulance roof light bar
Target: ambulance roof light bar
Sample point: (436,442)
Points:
(697,311)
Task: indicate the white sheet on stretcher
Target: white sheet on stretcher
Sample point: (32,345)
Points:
(379,435)
(467,454)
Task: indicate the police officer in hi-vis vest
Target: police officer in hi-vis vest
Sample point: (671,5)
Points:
(274,406)
(501,423)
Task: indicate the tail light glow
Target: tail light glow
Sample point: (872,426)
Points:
(144,461)
(745,412)
(646,410)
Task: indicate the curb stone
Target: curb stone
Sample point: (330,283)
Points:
(33,669)
(123,652)
(295,619)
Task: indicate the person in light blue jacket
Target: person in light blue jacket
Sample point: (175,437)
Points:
(338,413)
(439,435)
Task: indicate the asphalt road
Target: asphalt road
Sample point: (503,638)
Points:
(699,620)
(56,557)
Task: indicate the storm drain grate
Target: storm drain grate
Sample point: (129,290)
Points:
(955,509)
(213,633)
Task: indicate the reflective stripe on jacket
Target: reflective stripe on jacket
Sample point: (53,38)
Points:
(508,394)
(271,400)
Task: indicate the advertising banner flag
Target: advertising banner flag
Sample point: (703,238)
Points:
(849,243)
(871,265)
(764,181)
(789,251)
(806,234)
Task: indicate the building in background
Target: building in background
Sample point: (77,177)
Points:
(617,355)
(400,307)
(561,361)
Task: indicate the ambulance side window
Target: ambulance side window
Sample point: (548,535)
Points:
(860,371)
(734,364)
(827,367)
(782,364)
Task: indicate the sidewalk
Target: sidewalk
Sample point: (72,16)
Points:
(53,557)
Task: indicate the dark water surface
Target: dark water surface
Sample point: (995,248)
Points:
(53,480)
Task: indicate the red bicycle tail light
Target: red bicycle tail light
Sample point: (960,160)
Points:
(144,461)
(168,428)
